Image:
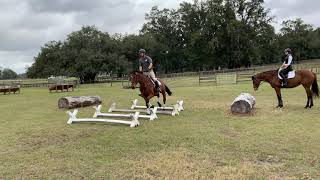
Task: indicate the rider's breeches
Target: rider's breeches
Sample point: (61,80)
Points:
(284,72)
(151,74)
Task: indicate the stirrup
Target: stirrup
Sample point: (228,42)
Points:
(284,85)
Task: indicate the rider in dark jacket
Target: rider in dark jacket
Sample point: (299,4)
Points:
(286,67)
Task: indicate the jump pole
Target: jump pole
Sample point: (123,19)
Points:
(133,123)
(98,113)
(173,112)
(135,106)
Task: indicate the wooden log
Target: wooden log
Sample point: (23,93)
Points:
(76,102)
(243,104)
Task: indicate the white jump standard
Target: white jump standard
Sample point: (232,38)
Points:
(133,123)
(98,113)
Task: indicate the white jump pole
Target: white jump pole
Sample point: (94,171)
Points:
(135,106)
(148,111)
(173,112)
(133,123)
(98,113)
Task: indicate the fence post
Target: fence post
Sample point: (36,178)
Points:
(199,77)
(236,77)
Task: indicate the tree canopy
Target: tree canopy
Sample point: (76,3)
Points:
(7,73)
(202,35)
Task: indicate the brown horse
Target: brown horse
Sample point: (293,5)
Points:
(147,87)
(305,78)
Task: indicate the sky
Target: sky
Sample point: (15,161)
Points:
(26,25)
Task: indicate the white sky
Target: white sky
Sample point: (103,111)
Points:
(26,25)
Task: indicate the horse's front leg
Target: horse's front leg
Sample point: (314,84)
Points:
(148,105)
(280,102)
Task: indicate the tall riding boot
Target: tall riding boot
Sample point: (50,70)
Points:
(285,81)
(157,86)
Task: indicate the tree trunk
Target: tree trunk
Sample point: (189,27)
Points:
(243,104)
(76,102)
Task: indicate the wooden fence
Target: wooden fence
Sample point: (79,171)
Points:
(238,76)
(229,76)
(35,84)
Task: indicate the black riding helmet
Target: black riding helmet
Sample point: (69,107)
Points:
(288,50)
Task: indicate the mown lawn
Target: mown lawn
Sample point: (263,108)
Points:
(204,142)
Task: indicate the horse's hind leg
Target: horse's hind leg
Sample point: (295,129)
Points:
(164,96)
(309,97)
(158,102)
(311,102)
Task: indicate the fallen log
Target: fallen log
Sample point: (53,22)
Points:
(76,102)
(243,104)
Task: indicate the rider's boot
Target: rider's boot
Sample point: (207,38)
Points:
(285,81)
(157,86)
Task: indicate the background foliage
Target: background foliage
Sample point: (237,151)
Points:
(196,36)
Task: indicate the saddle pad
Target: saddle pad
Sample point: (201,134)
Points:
(291,74)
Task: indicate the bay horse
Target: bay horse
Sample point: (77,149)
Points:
(147,87)
(305,78)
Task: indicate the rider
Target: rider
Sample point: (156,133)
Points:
(146,66)
(286,67)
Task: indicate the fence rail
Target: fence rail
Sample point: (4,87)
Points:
(239,76)
(215,77)
(35,84)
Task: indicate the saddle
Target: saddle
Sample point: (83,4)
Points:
(290,75)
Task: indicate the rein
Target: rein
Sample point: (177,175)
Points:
(142,79)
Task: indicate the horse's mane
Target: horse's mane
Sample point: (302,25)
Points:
(266,74)
(142,77)
(271,72)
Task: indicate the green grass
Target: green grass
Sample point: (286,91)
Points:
(204,142)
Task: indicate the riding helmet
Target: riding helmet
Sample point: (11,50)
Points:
(288,50)
(142,51)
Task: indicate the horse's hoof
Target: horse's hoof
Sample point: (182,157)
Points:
(152,106)
(279,107)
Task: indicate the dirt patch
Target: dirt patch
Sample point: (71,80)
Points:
(44,139)
(230,132)
(180,165)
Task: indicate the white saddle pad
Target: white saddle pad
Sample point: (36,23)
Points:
(291,75)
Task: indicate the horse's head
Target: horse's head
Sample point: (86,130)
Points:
(134,78)
(256,82)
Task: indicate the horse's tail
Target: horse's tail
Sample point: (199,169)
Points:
(168,90)
(315,87)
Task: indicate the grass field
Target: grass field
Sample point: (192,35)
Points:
(204,142)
